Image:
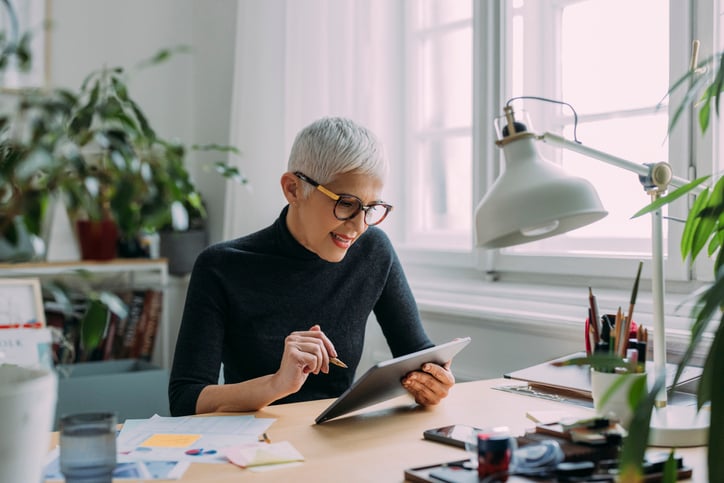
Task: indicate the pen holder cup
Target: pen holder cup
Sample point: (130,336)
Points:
(472,445)
(611,394)
(495,455)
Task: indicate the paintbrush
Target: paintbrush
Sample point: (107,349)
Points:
(632,302)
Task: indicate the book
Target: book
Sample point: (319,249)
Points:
(135,310)
(26,347)
(577,379)
(148,325)
(116,344)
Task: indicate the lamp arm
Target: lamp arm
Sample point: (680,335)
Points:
(642,170)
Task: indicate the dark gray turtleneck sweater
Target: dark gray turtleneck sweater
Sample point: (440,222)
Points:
(246,295)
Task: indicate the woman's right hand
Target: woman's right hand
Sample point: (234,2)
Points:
(305,352)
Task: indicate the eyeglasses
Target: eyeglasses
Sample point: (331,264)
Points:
(347,207)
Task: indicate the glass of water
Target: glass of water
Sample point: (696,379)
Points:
(88,447)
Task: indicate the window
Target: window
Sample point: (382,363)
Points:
(440,52)
(584,52)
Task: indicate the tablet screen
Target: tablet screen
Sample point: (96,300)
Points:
(382,381)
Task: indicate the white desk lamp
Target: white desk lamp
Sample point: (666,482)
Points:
(534,198)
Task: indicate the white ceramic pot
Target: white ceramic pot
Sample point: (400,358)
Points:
(27,410)
(610,394)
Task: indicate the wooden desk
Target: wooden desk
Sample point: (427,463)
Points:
(378,444)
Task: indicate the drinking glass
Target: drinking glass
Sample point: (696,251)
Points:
(88,447)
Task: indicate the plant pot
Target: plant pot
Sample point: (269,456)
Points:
(610,394)
(131,247)
(181,249)
(97,239)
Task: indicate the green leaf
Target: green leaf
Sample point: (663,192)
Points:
(716,426)
(114,304)
(93,326)
(670,469)
(674,195)
(634,446)
(230,172)
(691,95)
(163,55)
(705,114)
(692,221)
(707,222)
(600,361)
(216,147)
(718,83)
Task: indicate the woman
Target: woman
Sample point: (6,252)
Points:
(277,305)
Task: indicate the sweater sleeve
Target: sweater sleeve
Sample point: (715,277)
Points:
(396,310)
(197,357)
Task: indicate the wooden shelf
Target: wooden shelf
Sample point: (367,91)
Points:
(130,266)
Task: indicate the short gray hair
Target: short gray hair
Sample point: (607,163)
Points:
(332,146)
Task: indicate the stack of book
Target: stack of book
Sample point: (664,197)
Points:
(131,337)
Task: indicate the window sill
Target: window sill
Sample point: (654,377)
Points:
(532,306)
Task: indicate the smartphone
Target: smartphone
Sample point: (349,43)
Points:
(456,434)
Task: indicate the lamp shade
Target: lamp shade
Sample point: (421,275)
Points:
(533,199)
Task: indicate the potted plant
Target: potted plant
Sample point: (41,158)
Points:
(35,155)
(35,151)
(703,229)
(121,153)
(139,180)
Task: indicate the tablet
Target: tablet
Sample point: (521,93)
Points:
(382,381)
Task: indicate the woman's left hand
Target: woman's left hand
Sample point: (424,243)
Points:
(430,385)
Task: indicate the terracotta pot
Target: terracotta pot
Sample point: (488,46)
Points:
(97,239)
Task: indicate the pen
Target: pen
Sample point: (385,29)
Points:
(337,362)
(332,360)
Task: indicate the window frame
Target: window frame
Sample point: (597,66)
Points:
(490,90)
(472,275)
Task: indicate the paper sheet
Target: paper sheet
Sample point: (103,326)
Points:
(262,454)
(190,439)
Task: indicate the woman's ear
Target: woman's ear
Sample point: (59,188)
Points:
(291,187)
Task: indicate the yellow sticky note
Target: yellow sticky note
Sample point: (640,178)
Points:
(171,440)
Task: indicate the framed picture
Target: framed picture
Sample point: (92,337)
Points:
(21,303)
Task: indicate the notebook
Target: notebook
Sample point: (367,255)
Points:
(382,381)
(577,379)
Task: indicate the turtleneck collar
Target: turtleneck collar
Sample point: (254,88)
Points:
(287,243)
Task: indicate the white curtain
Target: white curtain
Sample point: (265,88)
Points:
(297,61)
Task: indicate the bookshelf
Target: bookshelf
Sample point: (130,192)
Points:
(126,272)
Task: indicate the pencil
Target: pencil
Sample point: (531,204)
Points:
(337,362)
(617,331)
